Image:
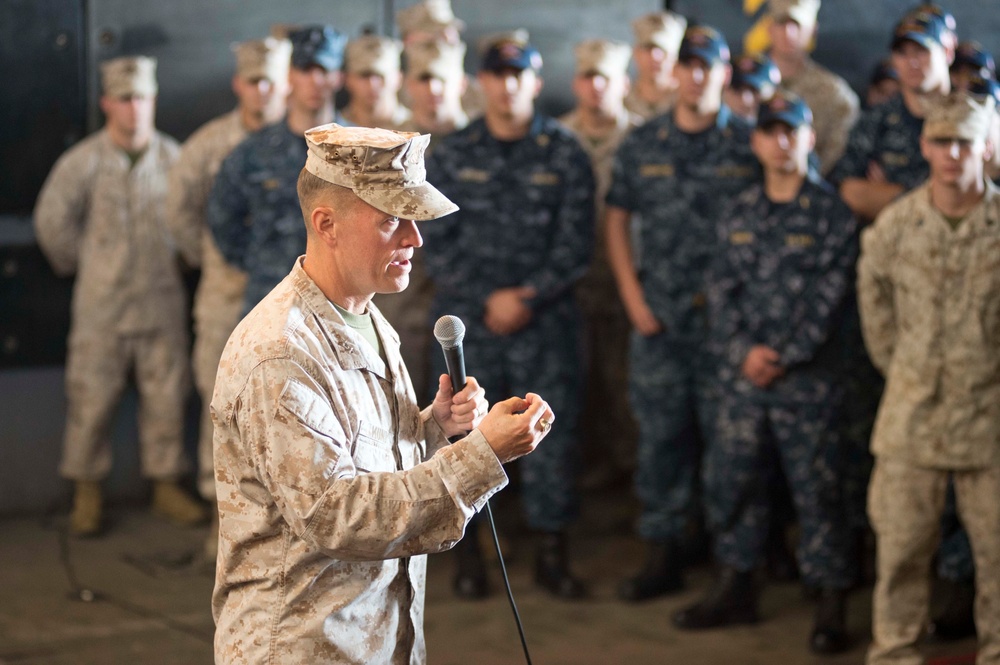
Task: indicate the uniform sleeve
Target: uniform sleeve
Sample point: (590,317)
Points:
(319,483)
(860,149)
(572,245)
(228,209)
(815,315)
(187,197)
(61,209)
(876,302)
(729,339)
(620,193)
(840,118)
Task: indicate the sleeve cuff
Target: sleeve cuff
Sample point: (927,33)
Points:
(477,468)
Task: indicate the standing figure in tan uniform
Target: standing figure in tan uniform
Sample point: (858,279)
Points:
(100,216)
(657,39)
(600,122)
(373,79)
(835,106)
(929,292)
(261,86)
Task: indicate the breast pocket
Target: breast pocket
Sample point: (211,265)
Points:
(373,449)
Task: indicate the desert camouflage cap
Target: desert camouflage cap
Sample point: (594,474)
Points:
(267,58)
(602,56)
(373,54)
(959,115)
(662,29)
(129,76)
(431,16)
(384,168)
(436,58)
(803,12)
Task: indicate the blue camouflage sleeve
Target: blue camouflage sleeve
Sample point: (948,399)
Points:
(860,149)
(620,193)
(728,340)
(227,212)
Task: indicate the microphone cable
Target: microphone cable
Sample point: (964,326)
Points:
(506,582)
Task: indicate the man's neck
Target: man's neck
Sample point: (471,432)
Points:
(250,120)
(444,120)
(917,101)
(790,64)
(654,90)
(783,186)
(132,143)
(955,200)
(300,120)
(507,127)
(692,120)
(323,272)
(377,115)
(596,122)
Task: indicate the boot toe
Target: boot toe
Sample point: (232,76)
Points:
(828,641)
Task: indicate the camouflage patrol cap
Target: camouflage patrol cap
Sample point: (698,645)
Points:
(984,88)
(958,115)
(384,168)
(317,45)
(267,58)
(436,58)
(803,12)
(129,76)
(602,56)
(883,71)
(922,28)
(373,54)
(785,107)
(974,56)
(431,16)
(509,50)
(661,29)
(756,71)
(705,43)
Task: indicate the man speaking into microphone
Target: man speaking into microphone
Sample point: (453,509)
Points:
(332,484)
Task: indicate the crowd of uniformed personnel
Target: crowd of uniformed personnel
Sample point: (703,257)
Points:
(710,271)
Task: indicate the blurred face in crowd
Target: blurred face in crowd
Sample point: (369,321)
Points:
(788,37)
(372,90)
(653,63)
(131,116)
(881,92)
(920,69)
(783,149)
(956,162)
(510,92)
(744,100)
(312,88)
(601,93)
(961,76)
(261,98)
(700,85)
(436,95)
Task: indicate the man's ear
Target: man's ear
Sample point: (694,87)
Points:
(323,225)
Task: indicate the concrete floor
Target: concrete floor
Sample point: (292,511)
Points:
(152,603)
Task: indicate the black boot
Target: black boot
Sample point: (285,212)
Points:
(552,568)
(829,634)
(957,618)
(470,574)
(732,599)
(660,576)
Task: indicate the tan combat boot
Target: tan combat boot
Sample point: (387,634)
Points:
(85,519)
(175,505)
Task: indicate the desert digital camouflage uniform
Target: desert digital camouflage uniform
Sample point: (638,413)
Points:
(332,485)
(218,299)
(930,305)
(526,219)
(101,218)
(888,135)
(835,109)
(675,185)
(607,417)
(780,280)
(648,110)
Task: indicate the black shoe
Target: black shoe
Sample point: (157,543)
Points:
(829,634)
(732,599)
(660,576)
(957,619)
(552,568)
(470,575)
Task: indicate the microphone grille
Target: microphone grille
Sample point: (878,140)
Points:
(449,331)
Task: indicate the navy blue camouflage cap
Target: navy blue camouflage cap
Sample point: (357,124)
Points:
(984,87)
(510,50)
(883,71)
(756,71)
(785,107)
(705,43)
(317,45)
(923,28)
(972,54)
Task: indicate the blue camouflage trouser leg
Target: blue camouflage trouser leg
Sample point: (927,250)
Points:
(736,481)
(546,359)
(666,395)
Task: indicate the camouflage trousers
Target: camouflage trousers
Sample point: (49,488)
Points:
(669,399)
(750,439)
(544,358)
(98,366)
(862,391)
(210,339)
(905,504)
(955,552)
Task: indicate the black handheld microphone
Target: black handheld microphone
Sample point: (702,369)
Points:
(449,332)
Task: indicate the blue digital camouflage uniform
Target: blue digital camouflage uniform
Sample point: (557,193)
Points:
(526,219)
(675,185)
(253,210)
(780,280)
